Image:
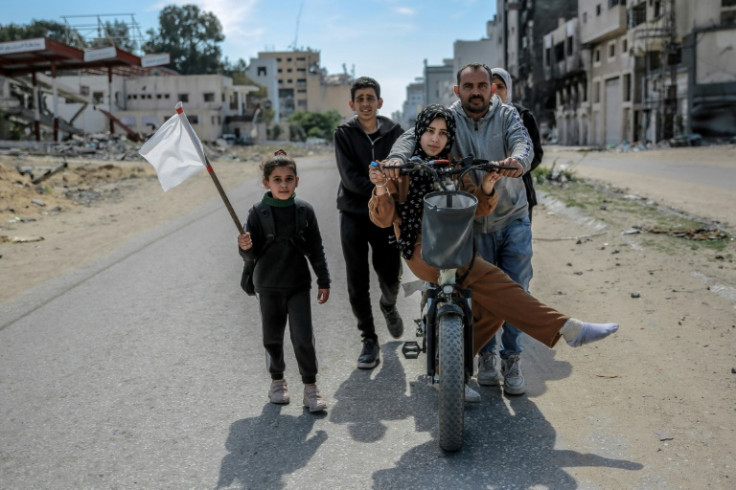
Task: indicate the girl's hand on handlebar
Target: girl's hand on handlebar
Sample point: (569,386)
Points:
(378,178)
(511,162)
(376,175)
(489,180)
(390,168)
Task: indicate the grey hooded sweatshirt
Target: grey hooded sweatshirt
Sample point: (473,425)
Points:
(499,134)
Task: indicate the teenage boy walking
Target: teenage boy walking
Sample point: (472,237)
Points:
(365,138)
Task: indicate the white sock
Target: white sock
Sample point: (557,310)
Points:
(577,333)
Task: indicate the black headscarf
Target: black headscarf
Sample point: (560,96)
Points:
(421,183)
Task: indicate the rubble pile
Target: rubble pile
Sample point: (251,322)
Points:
(32,187)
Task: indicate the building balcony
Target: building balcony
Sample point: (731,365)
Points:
(570,66)
(610,23)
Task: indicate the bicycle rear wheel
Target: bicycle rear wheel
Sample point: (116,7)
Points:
(452,382)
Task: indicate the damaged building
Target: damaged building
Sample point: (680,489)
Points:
(643,70)
(52,90)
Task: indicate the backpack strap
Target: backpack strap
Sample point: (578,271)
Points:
(265,218)
(301,219)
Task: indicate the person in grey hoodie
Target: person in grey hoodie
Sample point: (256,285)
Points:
(492,368)
(489,129)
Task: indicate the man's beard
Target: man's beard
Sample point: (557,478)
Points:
(476,109)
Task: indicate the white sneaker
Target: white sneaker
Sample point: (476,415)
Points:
(313,399)
(513,380)
(489,369)
(471,396)
(278,393)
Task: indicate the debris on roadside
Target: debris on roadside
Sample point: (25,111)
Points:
(18,239)
(693,234)
(663,436)
(47,172)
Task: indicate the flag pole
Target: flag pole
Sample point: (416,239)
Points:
(208,165)
(229,207)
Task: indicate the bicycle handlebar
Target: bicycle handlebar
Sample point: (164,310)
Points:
(442,167)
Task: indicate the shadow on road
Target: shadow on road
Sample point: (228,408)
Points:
(256,456)
(368,397)
(508,441)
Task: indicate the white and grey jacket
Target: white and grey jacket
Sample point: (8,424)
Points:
(499,134)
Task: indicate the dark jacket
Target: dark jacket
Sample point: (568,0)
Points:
(281,262)
(531,127)
(354,151)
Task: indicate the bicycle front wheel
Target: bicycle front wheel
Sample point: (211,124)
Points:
(452,382)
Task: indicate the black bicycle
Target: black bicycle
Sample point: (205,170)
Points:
(445,325)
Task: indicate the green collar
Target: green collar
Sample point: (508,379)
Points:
(278,203)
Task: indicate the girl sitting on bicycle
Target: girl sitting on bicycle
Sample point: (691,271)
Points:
(496,298)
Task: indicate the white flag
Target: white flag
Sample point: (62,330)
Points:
(174,151)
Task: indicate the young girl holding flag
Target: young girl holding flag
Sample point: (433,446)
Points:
(281,234)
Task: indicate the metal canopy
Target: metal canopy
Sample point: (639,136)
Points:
(42,54)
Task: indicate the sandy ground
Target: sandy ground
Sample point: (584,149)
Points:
(672,365)
(111,202)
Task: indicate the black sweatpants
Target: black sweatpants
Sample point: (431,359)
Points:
(357,232)
(275,309)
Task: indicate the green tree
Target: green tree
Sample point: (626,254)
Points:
(234,69)
(37,28)
(314,124)
(119,34)
(191,37)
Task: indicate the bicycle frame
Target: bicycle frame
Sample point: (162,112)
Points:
(445,297)
(446,321)
(439,303)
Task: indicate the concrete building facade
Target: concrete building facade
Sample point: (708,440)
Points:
(415,102)
(302,85)
(610,69)
(264,72)
(144,103)
(439,83)
(526,23)
(564,67)
(488,51)
(656,69)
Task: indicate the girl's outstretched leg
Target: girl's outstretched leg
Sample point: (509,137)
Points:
(577,333)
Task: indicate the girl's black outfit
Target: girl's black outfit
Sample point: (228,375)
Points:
(282,279)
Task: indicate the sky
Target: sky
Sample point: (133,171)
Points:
(384,39)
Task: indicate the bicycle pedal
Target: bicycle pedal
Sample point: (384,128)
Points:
(410,349)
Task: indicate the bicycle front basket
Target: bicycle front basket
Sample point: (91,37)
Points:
(447,228)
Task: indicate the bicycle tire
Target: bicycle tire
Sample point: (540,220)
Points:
(452,382)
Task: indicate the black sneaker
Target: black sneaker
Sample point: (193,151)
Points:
(393,321)
(369,355)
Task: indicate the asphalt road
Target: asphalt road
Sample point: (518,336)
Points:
(146,370)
